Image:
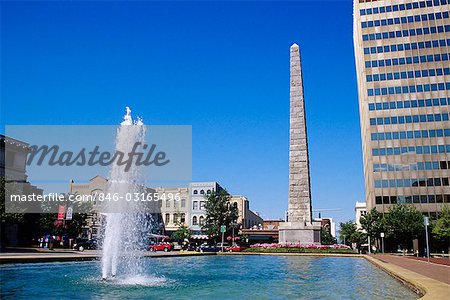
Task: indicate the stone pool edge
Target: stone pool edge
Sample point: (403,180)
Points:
(426,287)
(68,257)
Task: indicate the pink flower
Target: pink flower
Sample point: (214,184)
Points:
(298,245)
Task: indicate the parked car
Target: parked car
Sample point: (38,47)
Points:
(208,248)
(162,246)
(189,247)
(85,244)
(236,248)
(223,246)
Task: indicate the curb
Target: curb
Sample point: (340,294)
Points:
(426,287)
(82,257)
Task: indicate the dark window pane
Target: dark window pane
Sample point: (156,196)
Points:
(378,200)
(423,199)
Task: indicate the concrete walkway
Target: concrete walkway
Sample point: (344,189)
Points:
(436,271)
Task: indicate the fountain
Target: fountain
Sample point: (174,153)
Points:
(125,220)
(126,274)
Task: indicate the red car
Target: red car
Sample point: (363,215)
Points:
(236,248)
(161,247)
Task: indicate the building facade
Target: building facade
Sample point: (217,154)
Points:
(246,217)
(327,224)
(13,158)
(99,185)
(360,211)
(198,192)
(13,163)
(174,207)
(403,71)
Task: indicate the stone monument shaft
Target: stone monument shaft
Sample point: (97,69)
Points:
(299,208)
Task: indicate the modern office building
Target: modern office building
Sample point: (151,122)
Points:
(403,71)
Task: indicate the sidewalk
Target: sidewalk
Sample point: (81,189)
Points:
(431,270)
(440,261)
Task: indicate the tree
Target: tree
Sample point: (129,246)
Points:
(9,189)
(373,223)
(441,228)
(8,219)
(183,232)
(34,225)
(349,234)
(404,222)
(219,212)
(48,222)
(326,238)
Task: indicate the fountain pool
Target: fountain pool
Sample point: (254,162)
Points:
(208,277)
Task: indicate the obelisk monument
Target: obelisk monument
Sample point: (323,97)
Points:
(299,227)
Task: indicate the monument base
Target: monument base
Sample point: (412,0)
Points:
(299,233)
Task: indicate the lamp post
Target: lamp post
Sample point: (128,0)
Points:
(382,242)
(233,225)
(426,222)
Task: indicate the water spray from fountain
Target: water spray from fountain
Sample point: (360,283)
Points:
(126,222)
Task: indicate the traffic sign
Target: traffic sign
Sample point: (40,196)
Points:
(223,228)
(69,213)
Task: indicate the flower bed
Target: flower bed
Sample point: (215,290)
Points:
(299,248)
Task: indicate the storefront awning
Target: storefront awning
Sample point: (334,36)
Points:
(199,237)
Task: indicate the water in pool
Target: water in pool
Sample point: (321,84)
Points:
(208,277)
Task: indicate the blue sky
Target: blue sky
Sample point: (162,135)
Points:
(221,67)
